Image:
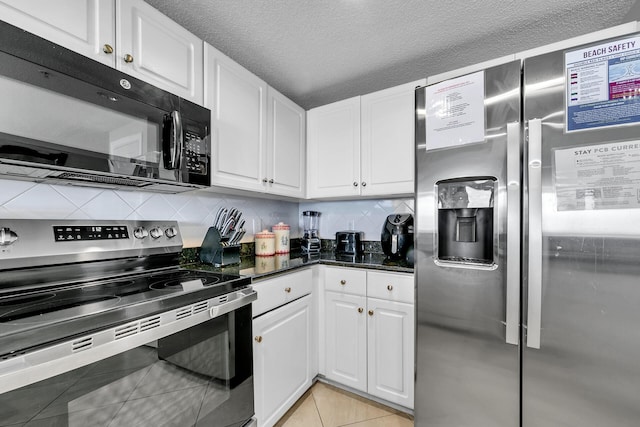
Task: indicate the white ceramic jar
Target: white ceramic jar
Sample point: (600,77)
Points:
(281,231)
(265,243)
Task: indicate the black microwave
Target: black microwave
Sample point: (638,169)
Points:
(67,118)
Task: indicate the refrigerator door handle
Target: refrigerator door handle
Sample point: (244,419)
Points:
(534,298)
(513,234)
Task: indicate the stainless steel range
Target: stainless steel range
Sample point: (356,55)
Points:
(100,325)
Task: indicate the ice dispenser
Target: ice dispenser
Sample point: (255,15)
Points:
(465,220)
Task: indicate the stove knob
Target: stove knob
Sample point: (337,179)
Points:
(171,232)
(140,233)
(155,232)
(7,237)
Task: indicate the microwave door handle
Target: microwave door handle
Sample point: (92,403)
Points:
(176,143)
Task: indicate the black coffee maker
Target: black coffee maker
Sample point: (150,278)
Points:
(397,235)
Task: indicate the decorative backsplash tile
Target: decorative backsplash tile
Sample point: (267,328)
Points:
(359,215)
(195,211)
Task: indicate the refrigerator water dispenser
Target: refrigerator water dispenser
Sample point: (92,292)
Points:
(465,220)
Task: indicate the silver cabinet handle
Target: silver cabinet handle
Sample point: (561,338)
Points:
(355,184)
(534,297)
(271,181)
(242,298)
(513,234)
(364,184)
(265,180)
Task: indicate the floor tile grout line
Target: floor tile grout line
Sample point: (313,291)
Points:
(315,405)
(364,421)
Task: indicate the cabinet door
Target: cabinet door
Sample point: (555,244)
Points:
(238,103)
(281,359)
(391,346)
(157,50)
(387,144)
(285,171)
(83,26)
(346,339)
(333,149)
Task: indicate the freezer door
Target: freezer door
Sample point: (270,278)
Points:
(467,364)
(582,251)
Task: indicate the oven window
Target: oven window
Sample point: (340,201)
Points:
(201,376)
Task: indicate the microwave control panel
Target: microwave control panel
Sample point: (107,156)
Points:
(195,154)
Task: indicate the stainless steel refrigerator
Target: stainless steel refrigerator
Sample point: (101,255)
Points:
(528,242)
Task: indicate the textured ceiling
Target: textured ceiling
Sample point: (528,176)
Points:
(316,52)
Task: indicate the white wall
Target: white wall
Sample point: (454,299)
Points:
(194,211)
(360,215)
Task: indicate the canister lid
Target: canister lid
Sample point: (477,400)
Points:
(280,226)
(265,234)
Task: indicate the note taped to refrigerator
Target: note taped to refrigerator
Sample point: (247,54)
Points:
(603,85)
(604,176)
(455,111)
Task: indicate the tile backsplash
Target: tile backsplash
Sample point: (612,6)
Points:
(194,211)
(359,215)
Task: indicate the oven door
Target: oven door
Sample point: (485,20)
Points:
(199,376)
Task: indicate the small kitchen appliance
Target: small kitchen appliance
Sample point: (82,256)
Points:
(349,243)
(397,235)
(106,304)
(310,241)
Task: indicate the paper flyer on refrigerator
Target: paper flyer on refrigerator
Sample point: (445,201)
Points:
(603,85)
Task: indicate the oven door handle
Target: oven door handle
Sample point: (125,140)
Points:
(239,299)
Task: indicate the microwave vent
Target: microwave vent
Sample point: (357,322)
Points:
(101,179)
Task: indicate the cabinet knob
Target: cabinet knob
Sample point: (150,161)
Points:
(360,309)
(128,58)
(271,181)
(364,184)
(343,282)
(390,287)
(370,312)
(355,184)
(258,339)
(107,49)
(265,180)
(287,290)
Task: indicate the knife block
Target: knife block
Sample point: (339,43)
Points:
(216,250)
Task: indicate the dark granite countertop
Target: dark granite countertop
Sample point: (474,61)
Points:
(258,267)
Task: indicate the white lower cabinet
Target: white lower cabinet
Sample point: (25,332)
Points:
(369,332)
(346,339)
(283,346)
(390,345)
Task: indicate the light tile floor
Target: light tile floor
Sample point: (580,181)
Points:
(327,406)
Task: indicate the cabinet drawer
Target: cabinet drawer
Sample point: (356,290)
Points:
(390,286)
(275,292)
(346,280)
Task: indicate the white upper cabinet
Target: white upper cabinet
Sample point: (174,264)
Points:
(363,146)
(238,102)
(84,26)
(387,140)
(333,147)
(257,133)
(152,47)
(285,160)
(129,35)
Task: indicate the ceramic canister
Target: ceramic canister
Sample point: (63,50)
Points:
(265,243)
(281,231)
